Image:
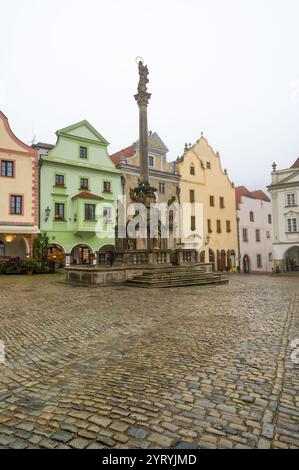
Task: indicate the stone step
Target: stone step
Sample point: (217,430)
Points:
(178,283)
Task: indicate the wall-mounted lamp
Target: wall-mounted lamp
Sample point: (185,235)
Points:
(207,240)
(48,212)
(9,238)
(75,217)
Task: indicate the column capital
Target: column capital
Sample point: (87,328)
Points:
(142,98)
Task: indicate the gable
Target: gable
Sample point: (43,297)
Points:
(8,141)
(293,178)
(83,130)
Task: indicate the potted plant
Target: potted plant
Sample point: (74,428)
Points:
(29,266)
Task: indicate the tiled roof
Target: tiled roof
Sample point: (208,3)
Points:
(124,153)
(43,145)
(296,164)
(86,195)
(257,194)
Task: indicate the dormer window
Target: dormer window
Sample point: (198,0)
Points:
(83,152)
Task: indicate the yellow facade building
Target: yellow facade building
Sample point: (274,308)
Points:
(208,206)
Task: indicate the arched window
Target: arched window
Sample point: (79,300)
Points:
(251,216)
(192,169)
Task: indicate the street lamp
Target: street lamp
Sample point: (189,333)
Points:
(48,212)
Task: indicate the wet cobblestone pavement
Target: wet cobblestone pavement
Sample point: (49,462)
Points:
(120,367)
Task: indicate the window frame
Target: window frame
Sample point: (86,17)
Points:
(58,217)
(86,187)
(105,190)
(149,160)
(13,195)
(58,185)
(6,162)
(81,147)
(259,261)
(293,203)
(161,187)
(257,235)
(87,204)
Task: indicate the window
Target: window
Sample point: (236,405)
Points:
(192,195)
(292,225)
(192,169)
(291,201)
(257,235)
(259,261)
(221,201)
(84,183)
(228,227)
(83,152)
(269,219)
(251,216)
(7,168)
(107,186)
(107,215)
(59,211)
(151,161)
(192,222)
(268,235)
(16,204)
(218,226)
(2,249)
(208,165)
(90,212)
(162,188)
(245,235)
(59,180)
(210,226)
(212,201)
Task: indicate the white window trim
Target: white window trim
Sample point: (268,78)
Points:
(154,158)
(287,202)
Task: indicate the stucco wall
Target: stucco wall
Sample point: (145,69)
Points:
(252,248)
(205,183)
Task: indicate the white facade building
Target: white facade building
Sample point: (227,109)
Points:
(254,216)
(284,190)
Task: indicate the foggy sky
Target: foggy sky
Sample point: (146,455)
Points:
(228,68)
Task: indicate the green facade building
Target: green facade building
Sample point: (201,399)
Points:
(79,189)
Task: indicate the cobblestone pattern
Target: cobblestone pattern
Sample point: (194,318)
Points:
(119,367)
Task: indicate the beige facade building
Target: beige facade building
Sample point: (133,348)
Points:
(162,176)
(208,208)
(18,194)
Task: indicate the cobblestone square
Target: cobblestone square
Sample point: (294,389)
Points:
(121,367)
